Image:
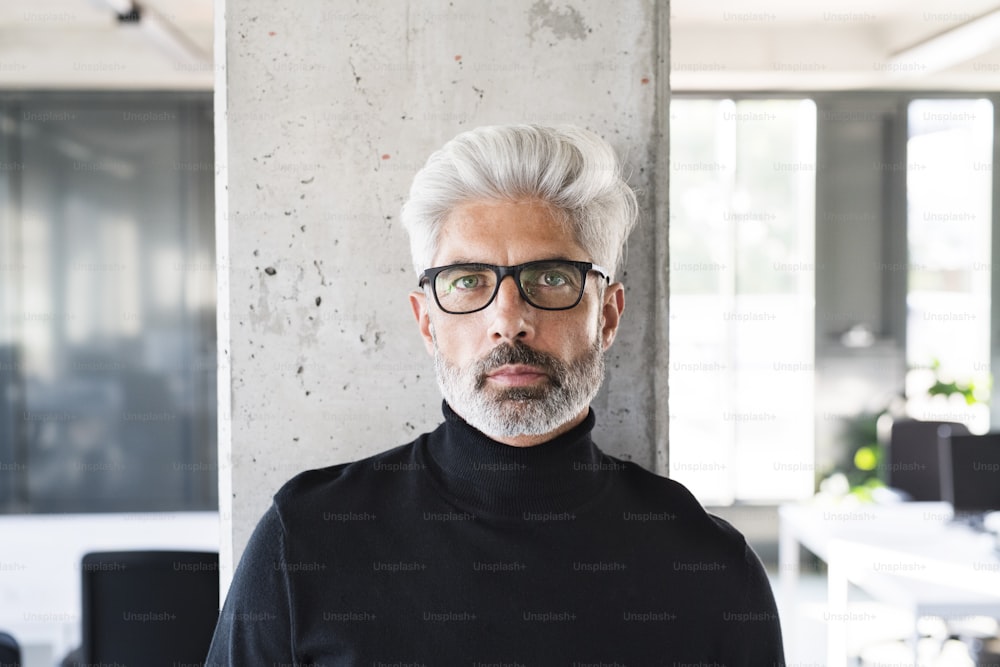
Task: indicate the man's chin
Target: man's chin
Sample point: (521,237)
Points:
(518,394)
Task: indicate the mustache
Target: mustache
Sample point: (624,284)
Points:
(519,354)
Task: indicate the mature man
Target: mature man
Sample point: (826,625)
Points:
(505,536)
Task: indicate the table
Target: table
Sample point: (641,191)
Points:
(909,555)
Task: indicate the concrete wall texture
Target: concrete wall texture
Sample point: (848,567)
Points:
(325,111)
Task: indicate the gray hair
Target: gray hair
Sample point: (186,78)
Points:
(567,167)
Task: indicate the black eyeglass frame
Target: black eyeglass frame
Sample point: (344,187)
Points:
(430,276)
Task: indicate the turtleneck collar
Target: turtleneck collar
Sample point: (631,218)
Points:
(490,477)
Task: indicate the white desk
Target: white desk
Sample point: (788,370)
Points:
(40,567)
(908,555)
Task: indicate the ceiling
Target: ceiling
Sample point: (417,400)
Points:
(80,44)
(769,45)
(778,45)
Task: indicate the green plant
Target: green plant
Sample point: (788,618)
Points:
(969,391)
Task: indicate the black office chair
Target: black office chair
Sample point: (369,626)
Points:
(150,608)
(969,465)
(914,458)
(10,651)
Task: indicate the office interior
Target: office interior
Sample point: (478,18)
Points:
(831,216)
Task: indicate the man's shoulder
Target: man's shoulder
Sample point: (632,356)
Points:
(349,477)
(672,502)
(655,488)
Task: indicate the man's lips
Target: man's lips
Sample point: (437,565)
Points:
(517,376)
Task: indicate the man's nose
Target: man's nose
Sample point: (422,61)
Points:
(512,315)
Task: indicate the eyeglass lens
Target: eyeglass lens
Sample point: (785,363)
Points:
(469,287)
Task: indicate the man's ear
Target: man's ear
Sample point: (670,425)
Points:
(418,302)
(612,309)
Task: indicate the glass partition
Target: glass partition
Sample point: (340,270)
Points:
(108,338)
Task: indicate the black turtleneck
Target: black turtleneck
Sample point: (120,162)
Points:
(497,480)
(459,550)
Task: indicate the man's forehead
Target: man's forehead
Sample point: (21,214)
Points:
(481,218)
(492,209)
(486,230)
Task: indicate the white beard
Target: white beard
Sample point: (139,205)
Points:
(521,411)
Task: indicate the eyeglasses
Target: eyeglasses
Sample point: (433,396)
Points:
(555,284)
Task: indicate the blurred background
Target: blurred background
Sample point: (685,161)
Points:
(107,341)
(107,298)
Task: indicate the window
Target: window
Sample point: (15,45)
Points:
(949,185)
(742,192)
(107,342)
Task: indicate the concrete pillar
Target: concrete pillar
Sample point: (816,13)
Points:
(325,111)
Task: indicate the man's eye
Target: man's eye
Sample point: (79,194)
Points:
(466,282)
(553,279)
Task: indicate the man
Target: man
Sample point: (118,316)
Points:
(505,536)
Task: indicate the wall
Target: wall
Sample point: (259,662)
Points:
(324,112)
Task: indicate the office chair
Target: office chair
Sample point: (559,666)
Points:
(150,608)
(10,650)
(969,479)
(914,458)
